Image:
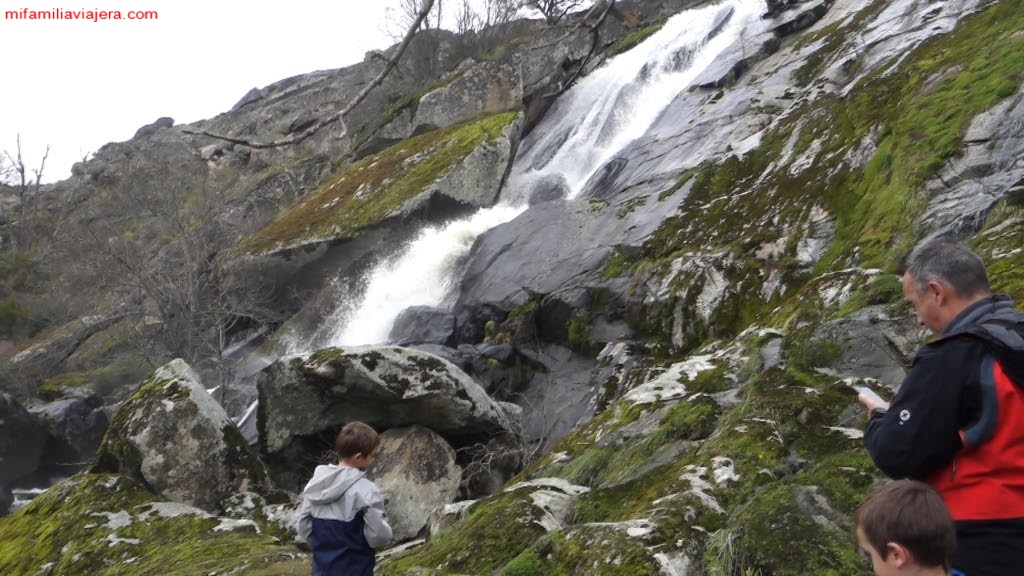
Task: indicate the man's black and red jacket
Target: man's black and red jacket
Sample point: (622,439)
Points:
(957,423)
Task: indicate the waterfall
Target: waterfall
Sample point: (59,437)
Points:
(619,102)
(421,275)
(586,127)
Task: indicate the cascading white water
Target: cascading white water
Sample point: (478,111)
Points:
(420,276)
(619,102)
(585,128)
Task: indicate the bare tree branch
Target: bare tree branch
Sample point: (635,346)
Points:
(594,39)
(340,115)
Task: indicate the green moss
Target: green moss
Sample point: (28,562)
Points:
(805,352)
(618,265)
(117,454)
(710,381)
(578,330)
(1000,246)
(111,380)
(374,188)
(59,385)
(632,39)
(690,420)
(915,115)
(882,289)
(496,531)
(602,550)
(528,563)
(106,525)
(772,521)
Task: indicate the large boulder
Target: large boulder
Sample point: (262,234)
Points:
(47,356)
(304,399)
(487,88)
(416,471)
(76,426)
(177,440)
(22,439)
(423,325)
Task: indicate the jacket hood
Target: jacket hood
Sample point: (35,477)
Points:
(330,482)
(995,321)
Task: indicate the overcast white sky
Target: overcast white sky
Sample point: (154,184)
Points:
(76,84)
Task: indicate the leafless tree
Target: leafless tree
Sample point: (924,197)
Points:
(469,18)
(161,251)
(402,15)
(26,183)
(497,12)
(425,10)
(553,10)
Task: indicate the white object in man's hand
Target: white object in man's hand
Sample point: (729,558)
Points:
(868,398)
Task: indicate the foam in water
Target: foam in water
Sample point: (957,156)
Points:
(420,276)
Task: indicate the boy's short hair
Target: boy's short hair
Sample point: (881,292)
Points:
(356,438)
(912,514)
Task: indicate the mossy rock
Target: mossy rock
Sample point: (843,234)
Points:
(64,384)
(1001,245)
(376,187)
(496,531)
(144,443)
(914,126)
(776,535)
(107,525)
(606,549)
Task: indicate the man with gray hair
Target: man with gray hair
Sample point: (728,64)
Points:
(957,421)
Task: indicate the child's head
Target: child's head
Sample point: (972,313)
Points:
(357,444)
(905,526)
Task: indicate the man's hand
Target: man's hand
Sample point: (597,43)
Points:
(869,399)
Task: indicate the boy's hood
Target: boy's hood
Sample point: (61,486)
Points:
(330,482)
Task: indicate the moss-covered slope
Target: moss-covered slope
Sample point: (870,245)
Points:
(376,187)
(100,524)
(719,464)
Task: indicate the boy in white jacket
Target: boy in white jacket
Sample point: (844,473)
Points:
(342,513)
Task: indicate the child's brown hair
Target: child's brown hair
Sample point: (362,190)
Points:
(912,514)
(356,438)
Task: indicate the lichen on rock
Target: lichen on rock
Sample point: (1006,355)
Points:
(175,439)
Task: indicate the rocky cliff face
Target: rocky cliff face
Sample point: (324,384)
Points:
(681,336)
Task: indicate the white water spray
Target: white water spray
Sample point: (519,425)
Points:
(420,276)
(586,128)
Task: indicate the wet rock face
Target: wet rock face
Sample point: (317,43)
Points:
(415,469)
(76,426)
(6,499)
(176,439)
(989,168)
(872,345)
(423,325)
(487,88)
(22,439)
(304,399)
